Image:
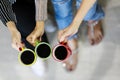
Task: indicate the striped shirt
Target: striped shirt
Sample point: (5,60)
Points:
(7,14)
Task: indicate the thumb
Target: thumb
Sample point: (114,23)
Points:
(31,39)
(64,37)
(14,46)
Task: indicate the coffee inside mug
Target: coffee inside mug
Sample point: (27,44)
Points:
(43,50)
(27,57)
(61,52)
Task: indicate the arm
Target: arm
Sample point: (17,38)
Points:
(73,28)
(8,18)
(41,16)
(82,11)
(41,10)
(6,12)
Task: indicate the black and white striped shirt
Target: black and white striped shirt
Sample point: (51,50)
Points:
(7,14)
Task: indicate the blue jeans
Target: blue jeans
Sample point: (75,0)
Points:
(64,12)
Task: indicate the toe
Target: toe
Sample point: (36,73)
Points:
(99,37)
(92,41)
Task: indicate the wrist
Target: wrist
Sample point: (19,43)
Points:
(39,24)
(76,24)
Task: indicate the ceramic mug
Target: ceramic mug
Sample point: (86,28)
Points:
(43,50)
(61,52)
(27,57)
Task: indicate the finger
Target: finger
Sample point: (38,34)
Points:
(66,40)
(64,37)
(97,40)
(30,40)
(92,42)
(60,33)
(19,45)
(15,46)
(33,39)
(99,37)
(40,39)
(23,45)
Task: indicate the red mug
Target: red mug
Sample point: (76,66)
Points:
(61,52)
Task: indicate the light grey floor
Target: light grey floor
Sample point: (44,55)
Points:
(100,62)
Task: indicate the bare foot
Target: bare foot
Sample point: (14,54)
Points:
(95,32)
(72,62)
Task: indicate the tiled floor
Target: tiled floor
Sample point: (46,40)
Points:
(100,62)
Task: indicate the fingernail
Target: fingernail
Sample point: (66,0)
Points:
(20,49)
(61,40)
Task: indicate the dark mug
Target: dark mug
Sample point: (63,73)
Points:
(43,50)
(61,52)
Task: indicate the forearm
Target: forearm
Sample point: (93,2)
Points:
(41,10)
(11,27)
(82,11)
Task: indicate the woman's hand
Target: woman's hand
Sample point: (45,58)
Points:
(64,34)
(73,28)
(36,33)
(16,41)
(16,36)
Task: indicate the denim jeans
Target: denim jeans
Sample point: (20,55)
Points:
(64,12)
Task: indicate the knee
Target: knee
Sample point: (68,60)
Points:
(62,8)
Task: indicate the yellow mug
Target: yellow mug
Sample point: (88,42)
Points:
(27,57)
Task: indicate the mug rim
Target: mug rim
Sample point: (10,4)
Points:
(20,53)
(47,45)
(53,52)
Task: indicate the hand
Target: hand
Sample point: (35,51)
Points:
(64,34)
(16,36)
(16,41)
(36,33)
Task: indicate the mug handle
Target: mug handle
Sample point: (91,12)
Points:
(21,49)
(64,43)
(37,42)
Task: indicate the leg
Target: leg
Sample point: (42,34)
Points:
(63,12)
(64,16)
(93,18)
